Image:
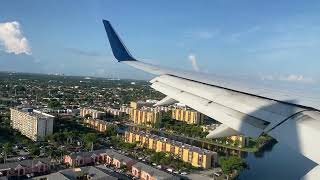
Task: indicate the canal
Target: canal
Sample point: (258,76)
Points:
(275,161)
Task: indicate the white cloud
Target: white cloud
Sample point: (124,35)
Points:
(12,39)
(290,78)
(194,63)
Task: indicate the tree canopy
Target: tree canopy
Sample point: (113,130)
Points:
(229,165)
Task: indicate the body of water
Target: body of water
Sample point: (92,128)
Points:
(276,162)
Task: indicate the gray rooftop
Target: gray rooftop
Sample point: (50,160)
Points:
(93,172)
(25,163)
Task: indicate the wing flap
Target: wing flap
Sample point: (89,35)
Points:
(234,119)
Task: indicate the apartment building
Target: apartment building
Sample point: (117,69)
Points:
(187,115)
(125,109)
(145,117)
(196,156)
(140,104)
(32,123)
(114,112)
(97,124)
(240,141)
(95,114)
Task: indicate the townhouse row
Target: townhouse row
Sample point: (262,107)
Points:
(22,168)
(196,156)
(113,158)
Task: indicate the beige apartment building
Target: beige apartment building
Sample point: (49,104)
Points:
(140,104)
(95,114)
(187,115)
(32,123)
(145,117)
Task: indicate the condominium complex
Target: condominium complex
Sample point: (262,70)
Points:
(196,156)
(32,123)
(187,115)
(98,124)
(95,114)
(145,117)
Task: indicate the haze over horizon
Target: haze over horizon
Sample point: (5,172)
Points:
(274,41)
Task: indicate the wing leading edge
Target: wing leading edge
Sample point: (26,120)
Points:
(240,108)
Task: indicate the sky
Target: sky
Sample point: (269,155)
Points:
(270,40)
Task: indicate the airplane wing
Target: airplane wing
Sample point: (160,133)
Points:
(288,116)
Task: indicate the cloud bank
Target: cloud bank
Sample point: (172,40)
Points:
(12,39)
(290,78)
(194,63)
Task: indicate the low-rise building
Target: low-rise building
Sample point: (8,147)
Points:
(32,123)
(22,168)
(118,160)
(84,158)
(105,156)
(88,172)
(196,156)
(145,172)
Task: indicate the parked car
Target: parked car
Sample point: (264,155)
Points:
(183,173)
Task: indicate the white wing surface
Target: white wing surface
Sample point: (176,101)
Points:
(290,116)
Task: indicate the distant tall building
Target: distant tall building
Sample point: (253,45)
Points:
(32,123)
(95,114)
(187,115)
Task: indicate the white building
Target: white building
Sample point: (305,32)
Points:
(32,123)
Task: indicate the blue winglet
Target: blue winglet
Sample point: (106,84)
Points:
(119,50)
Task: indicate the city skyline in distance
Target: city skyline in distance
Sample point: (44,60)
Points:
(260,40)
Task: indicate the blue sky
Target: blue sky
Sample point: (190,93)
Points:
(271,40)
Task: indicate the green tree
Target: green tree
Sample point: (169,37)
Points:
(34,150)
(232,164)
(90,139)
(7,149)
(54,104)
(157,157)
(111,131)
